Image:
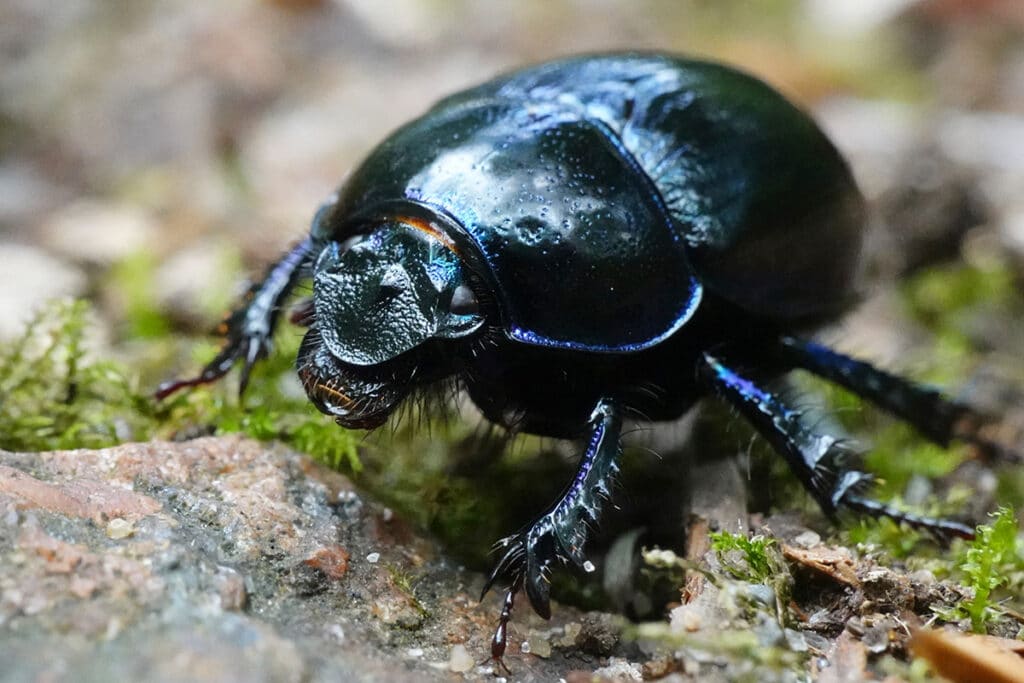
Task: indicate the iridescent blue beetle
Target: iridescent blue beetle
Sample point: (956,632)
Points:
(582,241)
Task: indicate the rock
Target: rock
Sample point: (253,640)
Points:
(460,661)
(222,559)
(32,277)
(99,233)
(925,215)
(195,285)
(619,670)
(600,634)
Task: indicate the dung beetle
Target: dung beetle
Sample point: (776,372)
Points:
(583,241)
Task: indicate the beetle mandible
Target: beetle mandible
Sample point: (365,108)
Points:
(583,241)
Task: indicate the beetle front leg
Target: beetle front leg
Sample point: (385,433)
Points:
(247,330)
(561,532)
(820,461)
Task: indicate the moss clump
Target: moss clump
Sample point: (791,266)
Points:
(53,395)
(884,537)
(993,561)
(938,296)
(756,565)
(132,278)
(899,454)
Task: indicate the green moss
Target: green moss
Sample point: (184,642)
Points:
(54,395)
(898,454)
(756,566)
(937,294)
(882,535)
(274,408)
(404,581)
(994,560)
(132,279)
(740,655)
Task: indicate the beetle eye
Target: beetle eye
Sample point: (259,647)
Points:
(464,301)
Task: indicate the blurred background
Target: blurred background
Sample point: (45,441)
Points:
(151,152)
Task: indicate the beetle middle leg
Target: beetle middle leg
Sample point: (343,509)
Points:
(820,461)
(247,330)
(561,532)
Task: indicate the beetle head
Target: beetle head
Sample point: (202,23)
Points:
(375,298)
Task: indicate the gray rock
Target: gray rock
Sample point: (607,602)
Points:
(32,277)
(243,563)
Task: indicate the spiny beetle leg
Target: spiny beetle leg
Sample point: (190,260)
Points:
(560,533)
(937,417)
(820,461)
(248,329)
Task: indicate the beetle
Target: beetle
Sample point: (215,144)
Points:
(581,242)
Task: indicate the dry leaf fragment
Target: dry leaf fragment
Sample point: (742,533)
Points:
(968,658)
(835,563)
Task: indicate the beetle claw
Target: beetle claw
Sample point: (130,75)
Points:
(527,562)
(247,330)
(241,342)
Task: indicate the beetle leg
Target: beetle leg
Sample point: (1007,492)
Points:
(247,330)
(938,418)
(561,532)
(820,461)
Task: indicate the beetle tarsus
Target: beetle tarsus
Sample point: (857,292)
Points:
(499,641)
(943,530)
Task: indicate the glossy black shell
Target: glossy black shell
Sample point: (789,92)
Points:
(601,196)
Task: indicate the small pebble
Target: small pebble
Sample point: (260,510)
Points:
(373,558)
(571,631)
(539,645)
(619,669)
(347,497)
(876,639)
(99,233)
(807,539)
(414,652)
(796,640)
(82,587)
(231,589)
(118,528)
(460,660)
(685,618)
